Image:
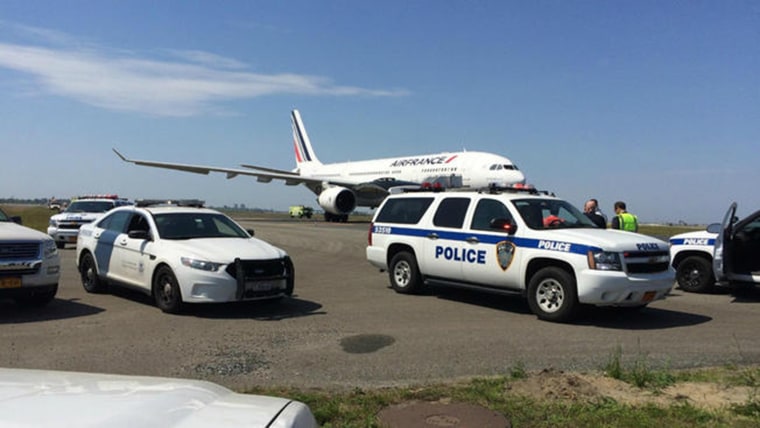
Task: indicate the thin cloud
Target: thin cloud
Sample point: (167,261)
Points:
(209,59)
(198,83)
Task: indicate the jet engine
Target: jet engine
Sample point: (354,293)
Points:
(337,200)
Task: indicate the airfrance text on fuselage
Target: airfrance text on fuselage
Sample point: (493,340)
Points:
(434,160)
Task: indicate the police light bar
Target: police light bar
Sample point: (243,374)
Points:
(99,196)
(195,203)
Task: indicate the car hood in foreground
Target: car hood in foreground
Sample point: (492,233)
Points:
(43,398)
(16,232)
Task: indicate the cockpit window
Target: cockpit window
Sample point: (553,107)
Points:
(499,167)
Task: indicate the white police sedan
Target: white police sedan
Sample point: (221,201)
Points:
(45,398)
(180,252)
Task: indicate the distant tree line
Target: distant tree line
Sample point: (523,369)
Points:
(24,201)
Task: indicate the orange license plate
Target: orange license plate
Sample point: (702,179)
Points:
(649,296)
(10,282)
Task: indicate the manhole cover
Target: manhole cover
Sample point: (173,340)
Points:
(459,415)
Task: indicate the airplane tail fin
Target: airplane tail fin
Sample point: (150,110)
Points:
(304,152)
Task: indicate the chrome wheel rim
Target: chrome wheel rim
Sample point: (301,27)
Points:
(550,295)
(402,274)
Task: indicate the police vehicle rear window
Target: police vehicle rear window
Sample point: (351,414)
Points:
(403,210)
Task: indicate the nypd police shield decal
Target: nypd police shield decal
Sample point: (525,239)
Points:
(505,251)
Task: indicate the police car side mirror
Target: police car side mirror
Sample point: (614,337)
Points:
(16,219)
(714,228)
(250,231)
(139,234)
(503,224)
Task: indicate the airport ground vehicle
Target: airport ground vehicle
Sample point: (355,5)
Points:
(301,211)
(515,241)
(180,252)
(727,252)
(47,398)
(29,263)
(64,226)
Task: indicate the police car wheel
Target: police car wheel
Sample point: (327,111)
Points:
(88,273)
(166,291)
(552,294)
(695,274)
(404,273)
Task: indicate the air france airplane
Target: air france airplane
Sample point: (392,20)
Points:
(341,187)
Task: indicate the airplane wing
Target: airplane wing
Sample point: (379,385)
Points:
(261,168)
(264,176)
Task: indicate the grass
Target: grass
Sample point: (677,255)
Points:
(34,216)
(359,407)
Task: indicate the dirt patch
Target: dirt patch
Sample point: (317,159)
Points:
(558,385)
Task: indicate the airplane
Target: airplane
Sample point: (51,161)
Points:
(341,187)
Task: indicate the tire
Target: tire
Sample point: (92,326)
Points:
(166,291)
(37,299)
(695,274)
(552,295)
(404,274)
(88,273)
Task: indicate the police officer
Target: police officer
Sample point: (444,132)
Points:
(590,209)
(623,219)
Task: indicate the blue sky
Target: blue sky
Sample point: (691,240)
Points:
(653,102)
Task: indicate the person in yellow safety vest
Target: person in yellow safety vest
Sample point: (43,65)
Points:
(624,220)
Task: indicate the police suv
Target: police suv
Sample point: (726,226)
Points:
(515,241)
(64,227)
(727,252)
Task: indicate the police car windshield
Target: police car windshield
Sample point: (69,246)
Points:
(197,225)
(89,207)
(542,214)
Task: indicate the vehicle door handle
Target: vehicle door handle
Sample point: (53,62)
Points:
(432,235)
(123,242)
(472,240)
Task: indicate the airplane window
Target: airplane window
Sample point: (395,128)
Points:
(492,167)
(509,167)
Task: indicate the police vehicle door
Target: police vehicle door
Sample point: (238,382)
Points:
(105,235)
(720,241)
(444,253)
(497,257)
(134,252)
(741,250)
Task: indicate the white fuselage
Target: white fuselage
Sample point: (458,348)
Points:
(475,169)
